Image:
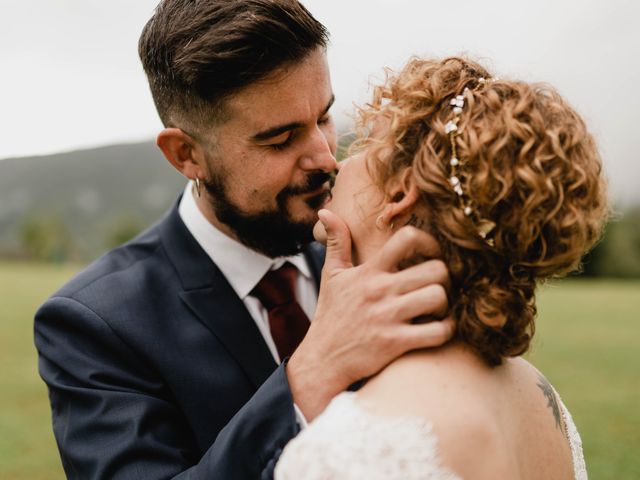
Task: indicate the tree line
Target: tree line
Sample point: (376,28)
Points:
(49,239)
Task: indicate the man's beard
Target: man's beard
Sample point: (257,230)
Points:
(270,232)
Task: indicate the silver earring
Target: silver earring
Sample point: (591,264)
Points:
(198,186)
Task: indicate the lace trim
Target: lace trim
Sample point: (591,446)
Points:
(350,442)
(370,446)
(575,442)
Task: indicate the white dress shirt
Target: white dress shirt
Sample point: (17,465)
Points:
(244,267)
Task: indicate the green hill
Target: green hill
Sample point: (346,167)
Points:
(89,197)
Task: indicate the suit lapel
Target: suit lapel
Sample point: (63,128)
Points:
(210,297)
(208,294)
(314,254)
(220,309)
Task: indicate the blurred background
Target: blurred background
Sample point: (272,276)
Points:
(79,174)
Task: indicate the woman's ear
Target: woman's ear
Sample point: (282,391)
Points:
(183,152)
(402,198)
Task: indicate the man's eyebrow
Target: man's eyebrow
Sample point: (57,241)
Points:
(280,129)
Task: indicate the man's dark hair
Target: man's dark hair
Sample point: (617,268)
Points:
(196,53)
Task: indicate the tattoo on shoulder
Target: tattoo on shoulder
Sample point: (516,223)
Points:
(552,401)
(415,221)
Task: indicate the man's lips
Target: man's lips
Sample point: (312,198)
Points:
(325,188)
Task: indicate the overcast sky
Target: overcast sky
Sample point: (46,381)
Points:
(70,76)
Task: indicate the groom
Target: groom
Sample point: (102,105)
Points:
(176,355)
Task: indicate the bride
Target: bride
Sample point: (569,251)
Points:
(507,178)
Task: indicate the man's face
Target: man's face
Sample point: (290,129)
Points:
(269,169)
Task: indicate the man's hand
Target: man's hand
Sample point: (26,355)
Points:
(364,316)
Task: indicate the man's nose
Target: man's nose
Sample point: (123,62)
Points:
(319,154)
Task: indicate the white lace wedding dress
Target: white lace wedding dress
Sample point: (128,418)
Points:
(347,442)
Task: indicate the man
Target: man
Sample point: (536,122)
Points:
(165,359)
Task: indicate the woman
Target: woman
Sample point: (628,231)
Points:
(507,178)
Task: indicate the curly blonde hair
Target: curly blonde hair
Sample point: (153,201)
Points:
(530,166)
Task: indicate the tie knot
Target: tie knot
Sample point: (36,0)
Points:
(277,287)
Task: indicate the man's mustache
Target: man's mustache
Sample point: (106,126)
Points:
(312,183)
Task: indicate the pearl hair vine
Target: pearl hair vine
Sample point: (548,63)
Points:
(483,226)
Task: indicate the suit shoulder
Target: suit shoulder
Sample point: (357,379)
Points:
(116,266)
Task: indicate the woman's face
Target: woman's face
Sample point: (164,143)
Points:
(358,201)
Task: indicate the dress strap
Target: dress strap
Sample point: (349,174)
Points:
(575,442)
(563,415)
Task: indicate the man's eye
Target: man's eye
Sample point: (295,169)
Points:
(283,143)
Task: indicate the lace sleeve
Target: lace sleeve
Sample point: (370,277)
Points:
(347,442)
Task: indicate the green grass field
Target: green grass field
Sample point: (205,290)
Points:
(587,344)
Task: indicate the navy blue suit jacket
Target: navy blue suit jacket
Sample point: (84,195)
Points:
(156,370)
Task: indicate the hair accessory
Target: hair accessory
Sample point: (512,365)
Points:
(458,177)
(198,185)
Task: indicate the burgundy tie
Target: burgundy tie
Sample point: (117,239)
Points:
(288,322)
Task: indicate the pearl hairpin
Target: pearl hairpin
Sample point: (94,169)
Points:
(451,128)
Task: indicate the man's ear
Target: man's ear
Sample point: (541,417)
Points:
(183,152)
(402,198)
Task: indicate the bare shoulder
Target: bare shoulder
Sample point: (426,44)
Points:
(544,398)
(456,393)
(500,422)
(429,381)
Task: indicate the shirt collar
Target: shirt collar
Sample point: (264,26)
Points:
(242,266)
